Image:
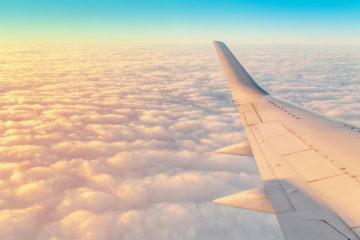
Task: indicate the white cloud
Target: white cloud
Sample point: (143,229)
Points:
(118,143)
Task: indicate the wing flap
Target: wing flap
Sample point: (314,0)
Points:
(341,193)
(302,167)
(300,229)
(292,198)
(303,164)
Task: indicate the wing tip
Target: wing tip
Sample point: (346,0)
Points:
(215,42)
(242,85)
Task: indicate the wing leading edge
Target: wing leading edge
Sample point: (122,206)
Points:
(299,154)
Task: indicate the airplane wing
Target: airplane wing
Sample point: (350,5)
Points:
(309,163)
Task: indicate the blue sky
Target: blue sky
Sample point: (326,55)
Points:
(175,21)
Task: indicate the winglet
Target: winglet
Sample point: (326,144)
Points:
(255,199)
(241,84)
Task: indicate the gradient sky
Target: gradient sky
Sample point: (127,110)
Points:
(118,143)
(181,21)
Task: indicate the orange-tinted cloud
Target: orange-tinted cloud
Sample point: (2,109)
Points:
(118,143)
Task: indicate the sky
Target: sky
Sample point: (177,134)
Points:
(159,22)
(110,111)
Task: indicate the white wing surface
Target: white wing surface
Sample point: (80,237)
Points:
(309,163)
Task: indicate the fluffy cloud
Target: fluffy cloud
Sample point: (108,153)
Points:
(118,143)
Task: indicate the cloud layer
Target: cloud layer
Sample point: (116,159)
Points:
(118,143)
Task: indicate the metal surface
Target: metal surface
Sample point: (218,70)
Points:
(310,163)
